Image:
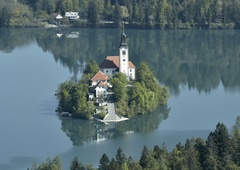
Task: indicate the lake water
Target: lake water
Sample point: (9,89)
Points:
(201,69)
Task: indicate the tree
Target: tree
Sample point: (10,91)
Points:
(160,14)
(221,139)
(161,155)
(104,162)
(90,70)
(5,16)
(191,155)
(50,164)
(66,6)
(147,161)
(144,74)
(91,67)
(135,14)
(133,165)
(76,165)
(117,15)
(93,14)
(124,12)
(119,89)
(121,77)
(177,160)
(107,13)
(120,157)
(113,165)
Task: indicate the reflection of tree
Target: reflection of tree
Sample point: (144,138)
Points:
(13,38)
(198,59)
(82,131)
(144,123)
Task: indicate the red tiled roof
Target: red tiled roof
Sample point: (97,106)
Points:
(113,62)
(110,62)
(131,65)
(99,76)
(101,84)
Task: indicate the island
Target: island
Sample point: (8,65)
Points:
(114,91)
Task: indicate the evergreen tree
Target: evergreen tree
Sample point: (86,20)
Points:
(133,165)
(104,162)
(191,155)
(5,16)
(93,13)
(120,157)
(76,165)
(114,165)
(222,142)
(117,14)
(147,161)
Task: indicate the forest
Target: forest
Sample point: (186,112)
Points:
(159,14)
(219,151)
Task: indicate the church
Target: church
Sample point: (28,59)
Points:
(121,63)
(112,65)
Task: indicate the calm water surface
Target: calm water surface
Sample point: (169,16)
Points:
(201,69)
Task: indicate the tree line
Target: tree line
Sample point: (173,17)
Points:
(161,14)
(219,151)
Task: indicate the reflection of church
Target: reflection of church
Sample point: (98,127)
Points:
(112,65)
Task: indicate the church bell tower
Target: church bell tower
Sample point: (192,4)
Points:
(123,54)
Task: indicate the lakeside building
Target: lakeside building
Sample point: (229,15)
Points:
(110,66)
(113,64)
(72,15)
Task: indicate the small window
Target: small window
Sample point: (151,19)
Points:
(123,52)
(124,59)
(130,70)
(113,71)
(107,71)
(130,74)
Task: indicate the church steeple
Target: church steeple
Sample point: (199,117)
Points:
(123,54)
(123,38)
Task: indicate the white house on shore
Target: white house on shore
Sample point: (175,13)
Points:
(72,15)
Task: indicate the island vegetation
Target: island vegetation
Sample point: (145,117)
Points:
(135,97)
(161,14)
(219,151)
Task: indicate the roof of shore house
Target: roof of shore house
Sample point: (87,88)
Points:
(99,76)
(113,62)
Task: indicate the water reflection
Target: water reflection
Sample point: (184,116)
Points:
(82,132)
(199,59)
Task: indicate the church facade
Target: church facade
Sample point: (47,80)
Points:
(113,64)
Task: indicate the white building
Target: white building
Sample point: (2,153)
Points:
(109,67)
(121,63)
(101,90)
(99,82)
(72,15)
